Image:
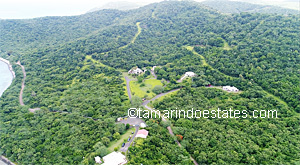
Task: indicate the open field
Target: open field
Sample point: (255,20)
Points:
(137,90)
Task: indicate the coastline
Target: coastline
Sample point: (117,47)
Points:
(9,66)
(2,158)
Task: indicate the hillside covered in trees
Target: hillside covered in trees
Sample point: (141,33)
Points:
(74,71)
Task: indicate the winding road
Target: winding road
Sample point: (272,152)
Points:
(145,103)
(23,84)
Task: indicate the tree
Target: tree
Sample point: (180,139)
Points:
(136,101)
(158,89)
(116,136)
(105,141)
(127,126)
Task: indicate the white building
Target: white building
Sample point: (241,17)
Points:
(143,125)
(135,71)
(189,74)
(142,134)
(114,158)
(98,159)
(230,89)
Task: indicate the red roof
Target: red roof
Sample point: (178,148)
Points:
(143,131)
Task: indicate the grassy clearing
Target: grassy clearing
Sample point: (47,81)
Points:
(118,143)
(226,46)
(153,82)
(137,90)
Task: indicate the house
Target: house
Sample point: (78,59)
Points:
(230,89)
(189,74)
(135,71)
(114,158)
(142,134)
(98,159)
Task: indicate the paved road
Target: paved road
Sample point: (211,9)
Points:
(158,96)
(128,87)
(23,84)
(125,148)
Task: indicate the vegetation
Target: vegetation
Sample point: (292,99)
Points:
(145,89)
(74,71)
(215,140)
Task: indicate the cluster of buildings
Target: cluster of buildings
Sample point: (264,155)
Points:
(137,70)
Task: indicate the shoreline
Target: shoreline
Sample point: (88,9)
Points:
(9,66)
(2,158)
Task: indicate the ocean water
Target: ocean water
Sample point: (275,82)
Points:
(5,77)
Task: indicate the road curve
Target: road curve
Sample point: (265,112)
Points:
(23,84)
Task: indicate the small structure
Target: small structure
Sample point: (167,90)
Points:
(142,134)
(119,119)
(189,74)
(135,70)
(114,158)
(143,125)
(230,89)
(98,159)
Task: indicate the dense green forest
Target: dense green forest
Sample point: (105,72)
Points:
(74,74)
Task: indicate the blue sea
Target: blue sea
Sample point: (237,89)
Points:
(5,77)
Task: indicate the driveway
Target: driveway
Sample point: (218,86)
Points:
(128,87)
(132,121)
(125,148)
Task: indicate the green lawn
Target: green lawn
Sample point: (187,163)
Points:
(137,90)
(118,143)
